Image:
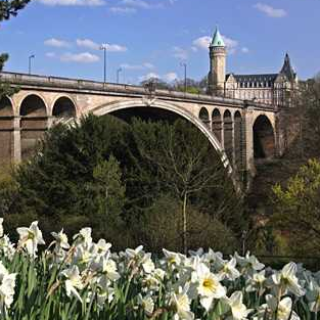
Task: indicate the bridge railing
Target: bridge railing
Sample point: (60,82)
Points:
(79,84)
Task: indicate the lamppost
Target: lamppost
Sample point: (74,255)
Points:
(104,48)
(183,64)
(30,58)
(118,74)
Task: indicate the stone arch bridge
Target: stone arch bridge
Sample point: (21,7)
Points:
(241,131)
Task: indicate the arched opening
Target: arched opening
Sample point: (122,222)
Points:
(216,123)
(64,109)
(204,116)
(263,138)
(228,133)
(6,130)
(33,124)
(238,139)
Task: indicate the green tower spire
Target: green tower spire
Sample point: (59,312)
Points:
(217,40)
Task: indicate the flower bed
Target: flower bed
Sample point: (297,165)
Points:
(86,280)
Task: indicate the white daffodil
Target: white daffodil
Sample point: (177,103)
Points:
(208,286)
(286,280)
(313,296)
(282,310)
(103,246)
(134,253)
(256,282)
(250,264)
(238,309)
(146,303)
(84,236)
(7,247)
(7,284)
(181,304)
(147,263)
(172,258)
(61,240)
(30,238)
(228,269)
(109,268)
(73,282)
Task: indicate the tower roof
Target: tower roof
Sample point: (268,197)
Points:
(217,40)
(287,68)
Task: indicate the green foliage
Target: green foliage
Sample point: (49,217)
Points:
(109,175)
(297,207)
(73,171)
(8,190)
(162,228)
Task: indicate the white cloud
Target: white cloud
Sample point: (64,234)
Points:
(170,77)
(150,75)
(72,2)
(114,47)
(141,4)
(53,42)
(231,44)
(50,55)
(89,44)
(123,10)
(270,11)
(245,50)
(180,53)
(204,43)
(84,57)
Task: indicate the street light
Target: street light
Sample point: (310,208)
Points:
(30,58)
(118,74)
(104,48)
(183,64)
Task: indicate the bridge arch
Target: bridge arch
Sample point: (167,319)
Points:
(263,138)
(63,107)
(228,133)
(204,116)
(34,122)
(6,129)
(238,139)
(117,106)
(217,123)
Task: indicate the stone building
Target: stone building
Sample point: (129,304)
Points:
(274,88)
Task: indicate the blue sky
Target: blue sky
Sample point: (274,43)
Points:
(152,37)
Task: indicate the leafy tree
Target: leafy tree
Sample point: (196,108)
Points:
(8,8)
(182,160)
(297,207)
(67,176)
(162,228)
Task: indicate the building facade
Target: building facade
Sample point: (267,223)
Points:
(274,88)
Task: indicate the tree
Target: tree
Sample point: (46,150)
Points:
(182,160)
(297,207)
(162,228)
(74,165)
(8,8)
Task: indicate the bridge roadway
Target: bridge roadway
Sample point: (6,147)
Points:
(240,131)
